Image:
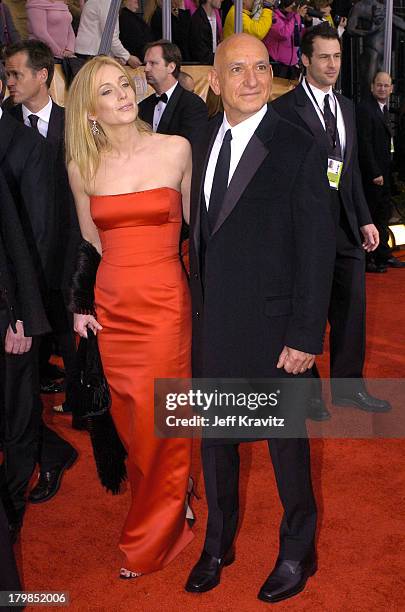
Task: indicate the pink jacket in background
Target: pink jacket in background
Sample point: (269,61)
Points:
(280,39)
(51,22)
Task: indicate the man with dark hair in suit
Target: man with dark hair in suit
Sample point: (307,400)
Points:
(34,62)
(30,166)
(375,156)
(172,110)
(261,263)
(329,118)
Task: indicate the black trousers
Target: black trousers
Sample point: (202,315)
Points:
(26,440)
(347,315)
(9,579)
(291,464)
(62,331)
(379,202)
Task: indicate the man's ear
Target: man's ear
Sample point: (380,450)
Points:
(171,66)
(43,75)
(213,82)
(305,60)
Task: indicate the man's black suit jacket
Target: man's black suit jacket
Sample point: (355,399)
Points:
(374,137)
(68,231)
(19,289)
(27,164)
(296,106)
(269,261)
(185,114)
(201,38)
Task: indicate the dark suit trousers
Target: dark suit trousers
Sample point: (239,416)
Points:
(9,579)
(291,464)
(347,314)
(379,202)
(24,433)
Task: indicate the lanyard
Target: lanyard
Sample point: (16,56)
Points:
(335,134)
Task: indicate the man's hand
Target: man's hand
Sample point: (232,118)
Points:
(295,362)
(371,237)
(303,10)
(378,180)
(17,343)
(82,322)
(134,61)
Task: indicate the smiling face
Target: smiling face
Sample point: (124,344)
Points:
(323,66)
(381,87)
(114,98)
(242,76)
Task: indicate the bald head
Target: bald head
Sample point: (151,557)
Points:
(381,87)
(242,76)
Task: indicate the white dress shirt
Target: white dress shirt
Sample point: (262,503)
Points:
(1,112)
(43,115)
(92,23)
(160,107)
(213,23)
(241,135)
(334,106)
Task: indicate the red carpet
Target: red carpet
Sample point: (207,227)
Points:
(70,543)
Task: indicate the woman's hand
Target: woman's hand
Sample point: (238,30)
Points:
(82,322)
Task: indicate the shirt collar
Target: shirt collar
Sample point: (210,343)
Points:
(318,93)
(44,113)
(246,127)
(170,91)
(1,112)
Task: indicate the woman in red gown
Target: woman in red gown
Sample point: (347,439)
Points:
(131,189)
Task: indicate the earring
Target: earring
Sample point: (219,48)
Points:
(94,128)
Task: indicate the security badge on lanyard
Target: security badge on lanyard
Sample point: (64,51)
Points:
(335,161)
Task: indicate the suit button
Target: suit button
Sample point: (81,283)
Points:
(195,276)
(197,315)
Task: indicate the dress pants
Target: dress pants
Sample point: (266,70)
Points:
(23,432)
(291,464)
(347,315)
(379,202)
(9,579)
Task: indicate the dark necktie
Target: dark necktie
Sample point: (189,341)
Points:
(331,128)
(33,119)
(162,98)
(386,114)
(220,181)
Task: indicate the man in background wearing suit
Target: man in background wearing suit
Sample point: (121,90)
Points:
(262,248)
(34,62)
(31,177)
(171,110)
(375,156)
(329,118)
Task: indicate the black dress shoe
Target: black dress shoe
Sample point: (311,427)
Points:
(376,268)
(393,262)
(49,482)
(317,410)
(206,574)
(364,401)
(287,579)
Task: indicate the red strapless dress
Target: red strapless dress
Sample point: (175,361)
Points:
(143,304)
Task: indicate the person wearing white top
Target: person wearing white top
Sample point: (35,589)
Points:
(92,23)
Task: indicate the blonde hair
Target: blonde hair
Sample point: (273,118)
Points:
(82,146)
(149,8)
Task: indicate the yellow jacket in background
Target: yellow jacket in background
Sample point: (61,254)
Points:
(258,28)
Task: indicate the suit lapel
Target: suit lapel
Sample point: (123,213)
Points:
(307,113)
(7,129)
(201,155)
(169,110)
(55,127)
(251,160)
